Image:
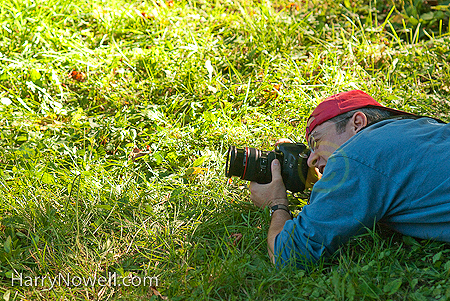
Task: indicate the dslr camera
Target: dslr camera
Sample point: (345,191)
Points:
(254,165)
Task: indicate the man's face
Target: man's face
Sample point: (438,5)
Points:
(327,141)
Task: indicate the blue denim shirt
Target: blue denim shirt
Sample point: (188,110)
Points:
(395,171)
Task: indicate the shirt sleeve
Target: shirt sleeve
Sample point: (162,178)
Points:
(349,198)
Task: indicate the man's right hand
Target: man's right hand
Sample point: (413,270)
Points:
(271,194)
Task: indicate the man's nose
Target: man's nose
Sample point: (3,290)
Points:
(312,159)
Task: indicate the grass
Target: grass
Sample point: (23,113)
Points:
(87,85)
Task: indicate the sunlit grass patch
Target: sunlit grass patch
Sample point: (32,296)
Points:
(85,86)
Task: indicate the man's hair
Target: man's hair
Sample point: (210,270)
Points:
(372,114)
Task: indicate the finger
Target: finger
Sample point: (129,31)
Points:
(283,140)
(276,170)
(313,176)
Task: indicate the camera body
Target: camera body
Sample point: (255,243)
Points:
(254,165)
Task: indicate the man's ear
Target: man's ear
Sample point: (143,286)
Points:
(358,121)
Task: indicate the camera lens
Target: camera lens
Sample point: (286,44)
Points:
(252,164)
(235,162)
(249,164)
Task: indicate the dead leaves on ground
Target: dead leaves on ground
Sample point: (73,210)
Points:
(154,13)
(77,75)
(237,238)
(137,153)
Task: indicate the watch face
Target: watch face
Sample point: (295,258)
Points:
(274,208)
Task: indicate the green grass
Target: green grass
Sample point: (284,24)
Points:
(182,81)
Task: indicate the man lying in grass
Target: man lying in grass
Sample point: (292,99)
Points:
(377,165)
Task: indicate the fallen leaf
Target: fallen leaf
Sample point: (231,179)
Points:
(237,237)
(77,75)
(157,293)
(137,153)
(193,172)
(146,15)
(293,6)
(272,94)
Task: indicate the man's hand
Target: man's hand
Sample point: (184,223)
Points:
(313,176)
(270,194)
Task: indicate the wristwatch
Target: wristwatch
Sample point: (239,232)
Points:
(282,207)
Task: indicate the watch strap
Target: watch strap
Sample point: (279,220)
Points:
(282,207)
